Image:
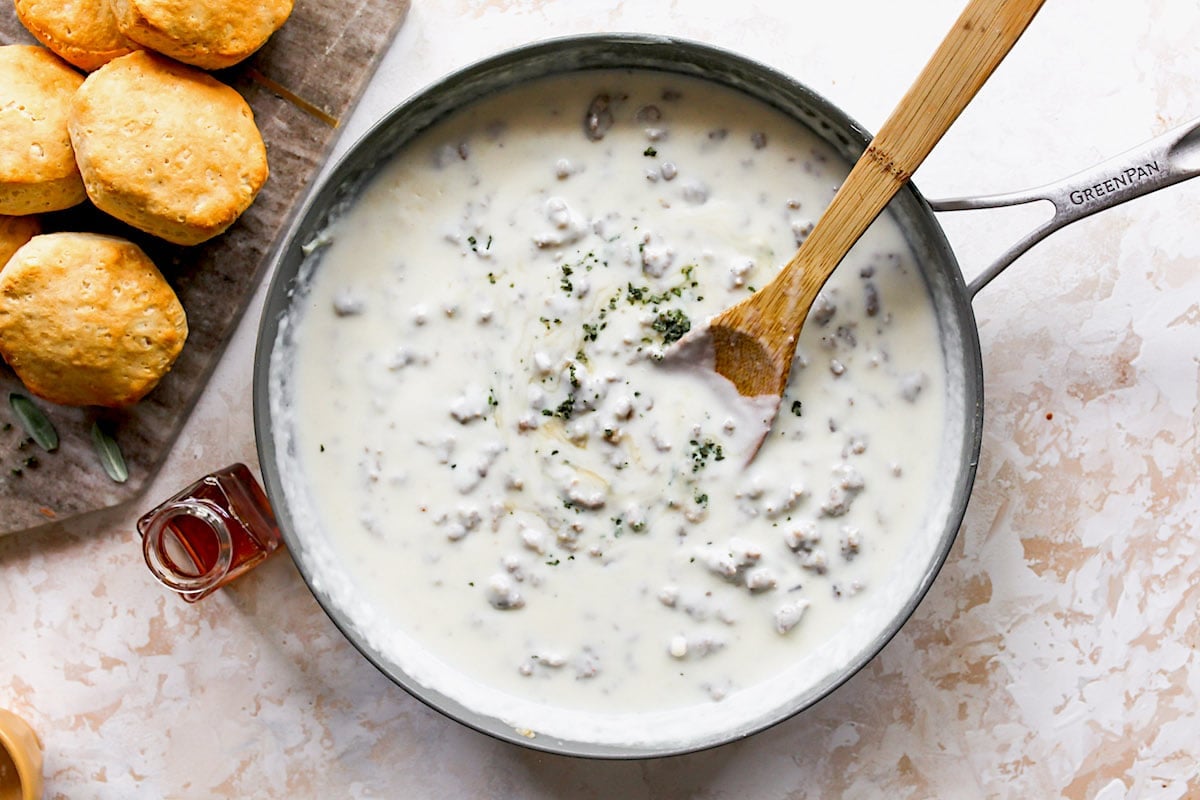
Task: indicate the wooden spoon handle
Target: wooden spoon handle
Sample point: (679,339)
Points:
(975,46)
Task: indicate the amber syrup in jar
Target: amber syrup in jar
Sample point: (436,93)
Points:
(210,533)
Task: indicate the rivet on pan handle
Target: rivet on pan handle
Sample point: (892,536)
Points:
(1163,161)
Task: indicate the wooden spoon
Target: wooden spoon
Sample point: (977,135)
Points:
(753,343)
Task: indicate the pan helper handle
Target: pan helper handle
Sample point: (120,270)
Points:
(1163,161)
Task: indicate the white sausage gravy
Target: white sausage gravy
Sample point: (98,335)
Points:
(512,500)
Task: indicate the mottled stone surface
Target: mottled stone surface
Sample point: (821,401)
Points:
(1056,654)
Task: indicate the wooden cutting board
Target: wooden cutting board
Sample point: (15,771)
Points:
(306,79)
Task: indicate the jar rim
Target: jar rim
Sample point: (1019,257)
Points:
(160,563)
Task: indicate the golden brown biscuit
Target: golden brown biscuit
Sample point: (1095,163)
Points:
(166,148)
(211,35)
(87,319)
(83,32)
(14,232)
(37,166)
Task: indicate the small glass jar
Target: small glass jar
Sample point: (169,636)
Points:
(210,533)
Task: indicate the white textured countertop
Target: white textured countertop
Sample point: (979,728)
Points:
(1057,652)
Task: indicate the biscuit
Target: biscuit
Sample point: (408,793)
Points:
(83,32)
(87,319)
(37,165)
(14,232)
(211,35)
(166,148)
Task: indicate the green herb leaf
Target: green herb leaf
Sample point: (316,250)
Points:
(34,422)
(110,453)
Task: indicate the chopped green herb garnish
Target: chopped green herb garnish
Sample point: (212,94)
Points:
(797,409)
(650,152)
(672,325)
(642,295)
(566,408)
(702,451)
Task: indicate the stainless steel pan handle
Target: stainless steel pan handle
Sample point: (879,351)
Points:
(1163,161)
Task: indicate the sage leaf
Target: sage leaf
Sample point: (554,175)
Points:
(110,454)
(34,421)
